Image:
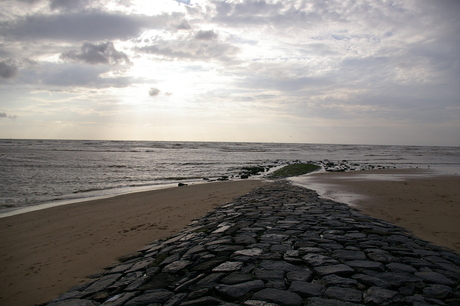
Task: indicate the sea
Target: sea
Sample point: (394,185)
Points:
(35,174)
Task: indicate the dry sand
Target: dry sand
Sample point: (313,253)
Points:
(44,253)
(418,200)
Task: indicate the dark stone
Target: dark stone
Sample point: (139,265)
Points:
(337,281)
(316,301)
(206,265)
(303,276)
(73,302)
(161,280)
(154,296)
(433,277)
(399,279)
(347,255)
(305,289)
(399,267)
(366,264)
(204,301)
(176,266)
(319,260)
(101,284)
(281,297)
(437,291)
(371,281)
(343,294)
(383,257)
(236,278)
(234,292)
(120,299)
(380,296)
(340,269)
(176,299)
(280,265)
(269,274)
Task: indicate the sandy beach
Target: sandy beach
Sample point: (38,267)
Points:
(44,253)
(421,201)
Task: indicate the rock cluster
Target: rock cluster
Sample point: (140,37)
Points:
(280,245)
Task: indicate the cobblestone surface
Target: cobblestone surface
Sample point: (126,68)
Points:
(280,245)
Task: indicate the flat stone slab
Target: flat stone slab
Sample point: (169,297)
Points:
(339,269)
(280,297)
(228,266)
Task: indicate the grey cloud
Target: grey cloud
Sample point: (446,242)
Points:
(103,53)
(206,35)
(184,25)
(153,92)
(192,49)
(8,69)
(89,26)
(72,75)
(4,115)
(68,5)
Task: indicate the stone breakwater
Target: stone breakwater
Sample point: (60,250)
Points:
(280,245)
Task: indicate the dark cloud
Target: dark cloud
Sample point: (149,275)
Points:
(4,115)
(103,53)
(8,69)
(30,1)
(206,35)
(73,75)
(81,26)
(69,5)
(184,25)
(153,92)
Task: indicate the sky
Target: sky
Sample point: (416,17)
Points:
(304,71)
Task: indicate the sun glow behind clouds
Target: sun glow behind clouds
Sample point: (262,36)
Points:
(231,70)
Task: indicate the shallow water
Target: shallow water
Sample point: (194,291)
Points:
(35,172)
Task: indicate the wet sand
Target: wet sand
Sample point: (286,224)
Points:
(44,253)
(419,200)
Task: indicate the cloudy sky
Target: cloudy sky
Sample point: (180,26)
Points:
(310,71)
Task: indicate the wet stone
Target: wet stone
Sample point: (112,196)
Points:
(437,291)
(319,260)
(334,280)
(380,296)
(176,266)
(237,291)
(281,297)
(249,252)
(305,289)
(228,266)
(399,267)
(340,269)
(299,276)
(344,294)
(154,296)
(366,264)
(433,277)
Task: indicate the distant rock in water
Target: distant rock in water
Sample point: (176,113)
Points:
(182,184)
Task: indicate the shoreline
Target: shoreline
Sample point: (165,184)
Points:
(420,200)
(45,252)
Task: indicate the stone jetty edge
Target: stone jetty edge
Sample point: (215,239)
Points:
(279,245)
